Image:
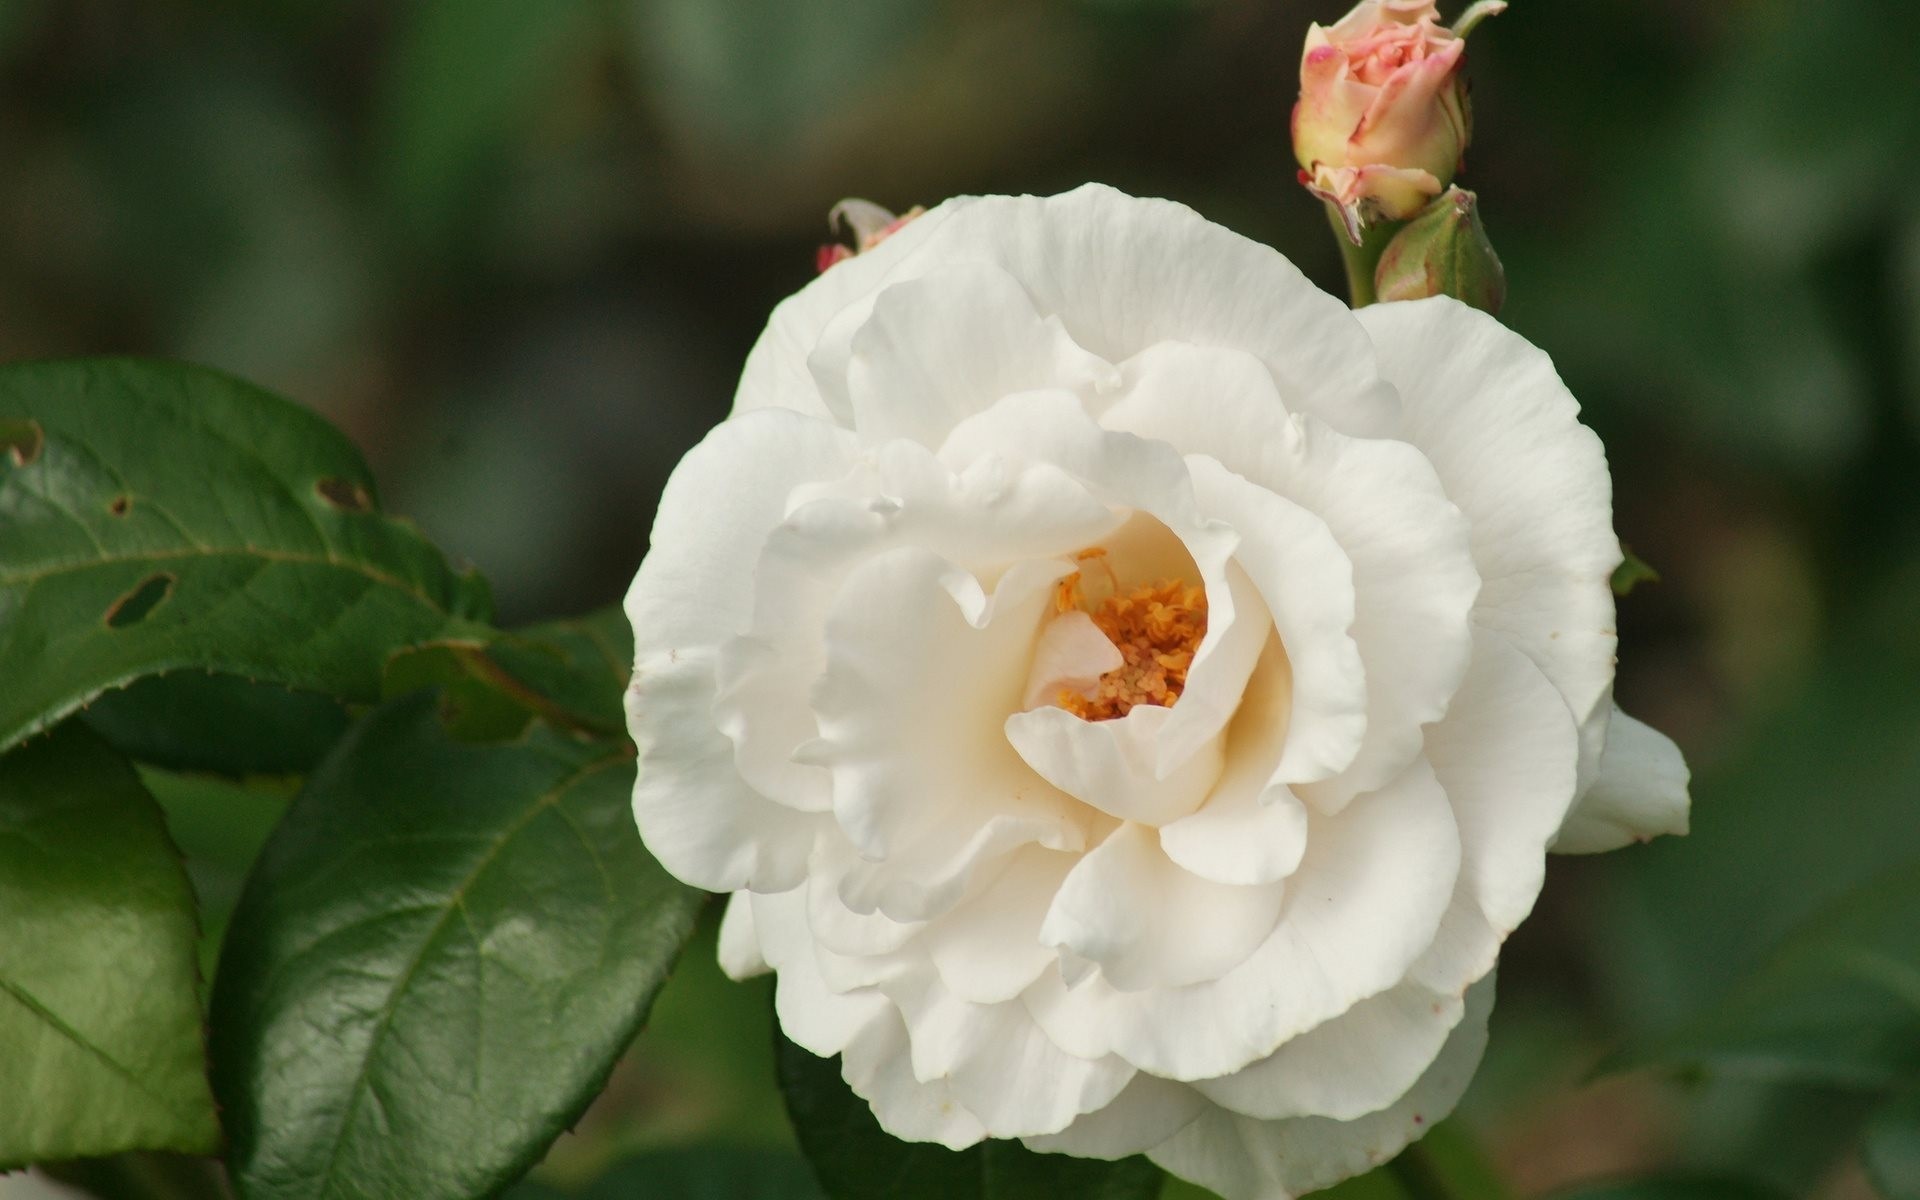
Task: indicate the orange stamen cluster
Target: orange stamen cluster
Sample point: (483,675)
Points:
(1157,628)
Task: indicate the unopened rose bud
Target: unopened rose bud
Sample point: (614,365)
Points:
(1382,118)
(867,223)
(1443,251)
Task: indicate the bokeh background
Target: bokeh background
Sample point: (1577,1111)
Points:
(519,248)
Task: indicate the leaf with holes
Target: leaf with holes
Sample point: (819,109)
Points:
(100,1046)
(572,674)
(437,959)
(156,517)
(857,1160)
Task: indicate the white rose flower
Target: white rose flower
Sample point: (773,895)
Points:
(1129,695)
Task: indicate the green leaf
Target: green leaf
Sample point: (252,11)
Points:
(159,517)
(706,1172)
(572,674)
(856,1160)
(188,721)
(100,1047)
(1837,1003)
(1890,1151)
(1632,571)
(1674,1187)
(437,959)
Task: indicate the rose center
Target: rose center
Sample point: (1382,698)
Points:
(1155,626)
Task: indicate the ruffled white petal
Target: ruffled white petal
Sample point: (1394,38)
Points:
(813,1016)
(1151,924)
(1354,1064)
(696,814)
(1147,1112)
(988,949)
(1252,828)
(984,518)
(1363,906)
(1115,765)
(1506,755)
(1640,794)
(974,1049)
(1242,1158)
(878,1067)
(1503,433)
(923,668)
(739,949)
(695,587)
(941,347)
(1411,568)
(1306,582)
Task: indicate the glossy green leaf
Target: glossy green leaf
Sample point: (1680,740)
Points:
(571,674)
(1674,1187)
(157,517)
(1890,1149)
(1837,1003)
(707,1172)
(439,955)
(190,721)
(856,1160)
(100,1043)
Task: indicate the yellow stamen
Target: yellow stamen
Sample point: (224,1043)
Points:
(1157,628)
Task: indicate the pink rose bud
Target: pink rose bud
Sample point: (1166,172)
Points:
(1382,118)
(867,223)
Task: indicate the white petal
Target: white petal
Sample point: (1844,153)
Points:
(1506,755)
(1306,581)
(1001,1067)
(1151,924)
(940,347)
(1505,437)
(739,950)
(811,1014)
(1413,576)
(1147,1112)
(1640,794)
(1112,765)
(1363,906)
(988,949)
(835,926)
(776,373)
(1071,656)
(878,1067)
(1251,829)
(1242,1158)
(696,815)
(1168,537)
(1354,1064)
(922,671)
(695,586)
(984,518)
(1125,273)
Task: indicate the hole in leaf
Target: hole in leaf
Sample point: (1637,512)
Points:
(23,440)
(121,506)
(137,604)
(344,494)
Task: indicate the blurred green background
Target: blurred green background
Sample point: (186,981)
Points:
(519,248)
